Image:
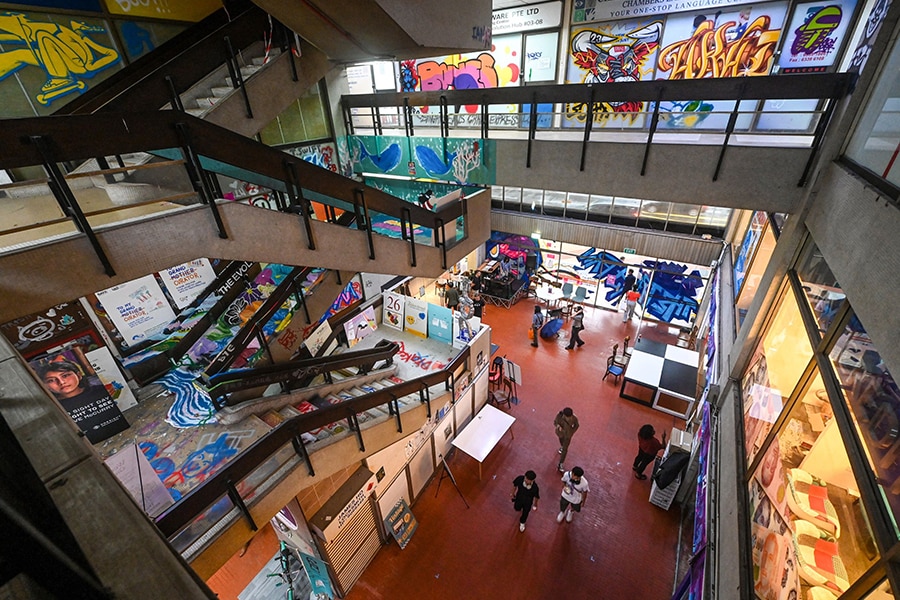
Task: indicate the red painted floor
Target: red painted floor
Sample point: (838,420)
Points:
(619,547)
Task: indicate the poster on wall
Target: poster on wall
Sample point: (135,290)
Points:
(315,340)
(133,470)
(138,309)
(359,326)
(111,376)
(815,36)
(37,332)
(416,319)
(185,282)
(440,323)
(393,310)
(69,376)
(620,51)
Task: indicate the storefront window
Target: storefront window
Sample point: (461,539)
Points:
(809,531)
(751,263)
(778,362)
(823,292)
(874,400)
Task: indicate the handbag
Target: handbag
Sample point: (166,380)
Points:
(531,333)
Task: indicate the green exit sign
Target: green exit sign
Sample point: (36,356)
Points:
(630,251)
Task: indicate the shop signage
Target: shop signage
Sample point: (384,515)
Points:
(815,36)
(605,10)
(526,18)
(401,523)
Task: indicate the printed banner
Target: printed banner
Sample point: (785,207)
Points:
(360,326)
(186,282)
(73,382)
(317,338)
(138,309)
(317,571)
(111,376)
(416,318)
(440,323)
(133,470)
(401,523)
(393,310)
(33,334)
(815,36)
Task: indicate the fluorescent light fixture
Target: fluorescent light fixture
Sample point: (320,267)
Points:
(536,235)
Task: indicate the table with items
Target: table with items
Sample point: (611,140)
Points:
(479,437)
(662,376)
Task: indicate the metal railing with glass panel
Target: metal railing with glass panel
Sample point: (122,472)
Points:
(775,110)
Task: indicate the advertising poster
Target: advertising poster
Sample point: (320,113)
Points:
(737,41)
(37,332)
(111,376)
(360,326)
(317,571)
(138,308)
(440,323)
(393,310)
(70,378)
(401,523)
(133,470)
(416,318)
(815,35)
(185,282)
(315,340)
(620,51)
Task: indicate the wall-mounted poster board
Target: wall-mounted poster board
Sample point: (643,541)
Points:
(185,282)
(394,305)
(137,308)
(416,317)
(440,323)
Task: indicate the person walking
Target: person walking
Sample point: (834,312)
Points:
(627,285)
(566,424)
(631,298)
(577,326)
(574,493)
(648,448)
(525,496)
(537,320)
(451,296)
(477,302)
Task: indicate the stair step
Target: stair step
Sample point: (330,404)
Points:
(196,112)
(221,91)
(206,102)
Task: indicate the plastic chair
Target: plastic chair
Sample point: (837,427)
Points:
(495,375)
(613,369)
(580,294)
(567,290)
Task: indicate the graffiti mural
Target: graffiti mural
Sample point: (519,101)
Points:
(610,53)
(740,42)
(670,292)
(68,54)
(321,155)
(459,160)
(500,67)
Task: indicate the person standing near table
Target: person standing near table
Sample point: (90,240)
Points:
(477,302)
(537,320)
(525,496)
(566,424)
(574,493)
(577,326)
(648,448)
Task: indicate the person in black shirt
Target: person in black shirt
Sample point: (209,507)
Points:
(525,496)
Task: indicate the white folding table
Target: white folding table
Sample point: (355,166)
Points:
(479,437)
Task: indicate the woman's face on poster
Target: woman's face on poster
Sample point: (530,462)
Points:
(63,384)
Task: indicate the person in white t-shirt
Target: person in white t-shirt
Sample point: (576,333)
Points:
(574,492)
